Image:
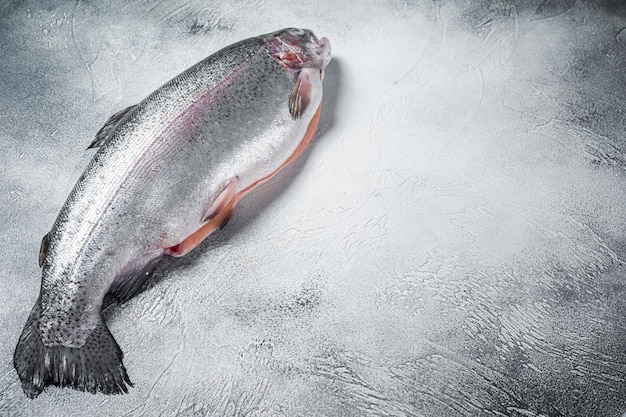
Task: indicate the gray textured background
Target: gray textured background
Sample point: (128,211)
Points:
(451,244)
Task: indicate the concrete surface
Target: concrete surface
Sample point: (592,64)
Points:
(451,244)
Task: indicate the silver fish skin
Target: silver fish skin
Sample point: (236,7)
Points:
(168,172)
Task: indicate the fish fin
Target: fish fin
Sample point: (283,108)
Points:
(222,199)
(131,280)
(43,249)
(217,216)
(94,367)
(104,133)
(228,216)
(300,95)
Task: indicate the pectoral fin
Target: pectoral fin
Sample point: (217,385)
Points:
(300,95)
(217,216)
(104,133)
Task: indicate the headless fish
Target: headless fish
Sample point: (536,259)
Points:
(168,172)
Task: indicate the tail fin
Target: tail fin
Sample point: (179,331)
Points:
(95,367)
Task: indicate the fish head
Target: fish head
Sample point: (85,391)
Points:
(295,49)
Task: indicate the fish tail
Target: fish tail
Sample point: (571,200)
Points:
(94,367)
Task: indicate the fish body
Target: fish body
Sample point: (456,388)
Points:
(168,171)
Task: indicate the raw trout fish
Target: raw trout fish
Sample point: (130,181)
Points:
(167,173)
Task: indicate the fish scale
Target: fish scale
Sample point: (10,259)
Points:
(168,172)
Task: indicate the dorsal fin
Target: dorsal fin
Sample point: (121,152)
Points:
(43,249)
(104,133)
